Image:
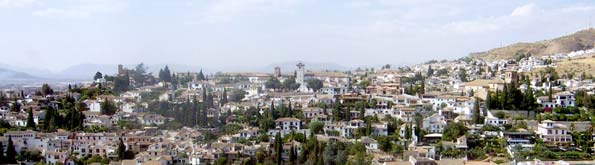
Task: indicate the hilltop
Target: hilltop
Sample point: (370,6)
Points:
(581,40)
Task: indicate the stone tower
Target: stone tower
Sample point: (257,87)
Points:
(512,77)
(300,77)
(277,71)
(300,73)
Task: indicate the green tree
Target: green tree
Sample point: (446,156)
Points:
(278,148)
(122,83)
(272,83)
(453,131)
(200,76)
(11,152)
(224,97)
(30,121)
(221,161)
(430,71)
(315,84)
(316,126)
(107,107)
(477,119)
(98,75)
(121,150)
(46,90)
(2,158)
(140,72)
(290,84)
(237,95)
(292,154)
(463,75)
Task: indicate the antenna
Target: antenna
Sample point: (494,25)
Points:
(589,22)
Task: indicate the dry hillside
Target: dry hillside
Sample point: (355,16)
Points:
(584,39)
(575,66)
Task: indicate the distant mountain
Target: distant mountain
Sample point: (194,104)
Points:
(6,74)
(581,40)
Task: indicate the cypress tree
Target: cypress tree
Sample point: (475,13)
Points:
(2,152)
(30,121)
(161,75)
(272,109)
(196,113)
(224,97)
(200,76)
(550,98)
(11,152)
(203,113)
(174,81)
(289,107)
(166,74)
(504,98)
(121,150)
(489,100)
(496,101)
(292,154)
(278,148)
(347,113)
(476,112)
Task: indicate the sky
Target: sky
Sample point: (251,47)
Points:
(56,34)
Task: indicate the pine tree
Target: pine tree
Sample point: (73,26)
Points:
(30,121)
(11,152)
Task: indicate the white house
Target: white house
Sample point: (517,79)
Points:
(550,132)
(493,120)
(93,105)
(288,124)
(434,123)
(561,99)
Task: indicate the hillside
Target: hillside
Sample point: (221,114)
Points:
(581,40)
(6,74)
(574,66)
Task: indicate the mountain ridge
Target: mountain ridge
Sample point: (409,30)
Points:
(580,40)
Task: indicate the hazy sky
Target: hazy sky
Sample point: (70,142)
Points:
(56,34)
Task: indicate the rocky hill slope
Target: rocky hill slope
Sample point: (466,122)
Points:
(581,40)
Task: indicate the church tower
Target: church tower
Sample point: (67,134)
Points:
(277,72)
(299,78)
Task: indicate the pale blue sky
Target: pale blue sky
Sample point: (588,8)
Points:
(55,34)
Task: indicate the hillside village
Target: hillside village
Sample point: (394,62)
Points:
(466,111)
